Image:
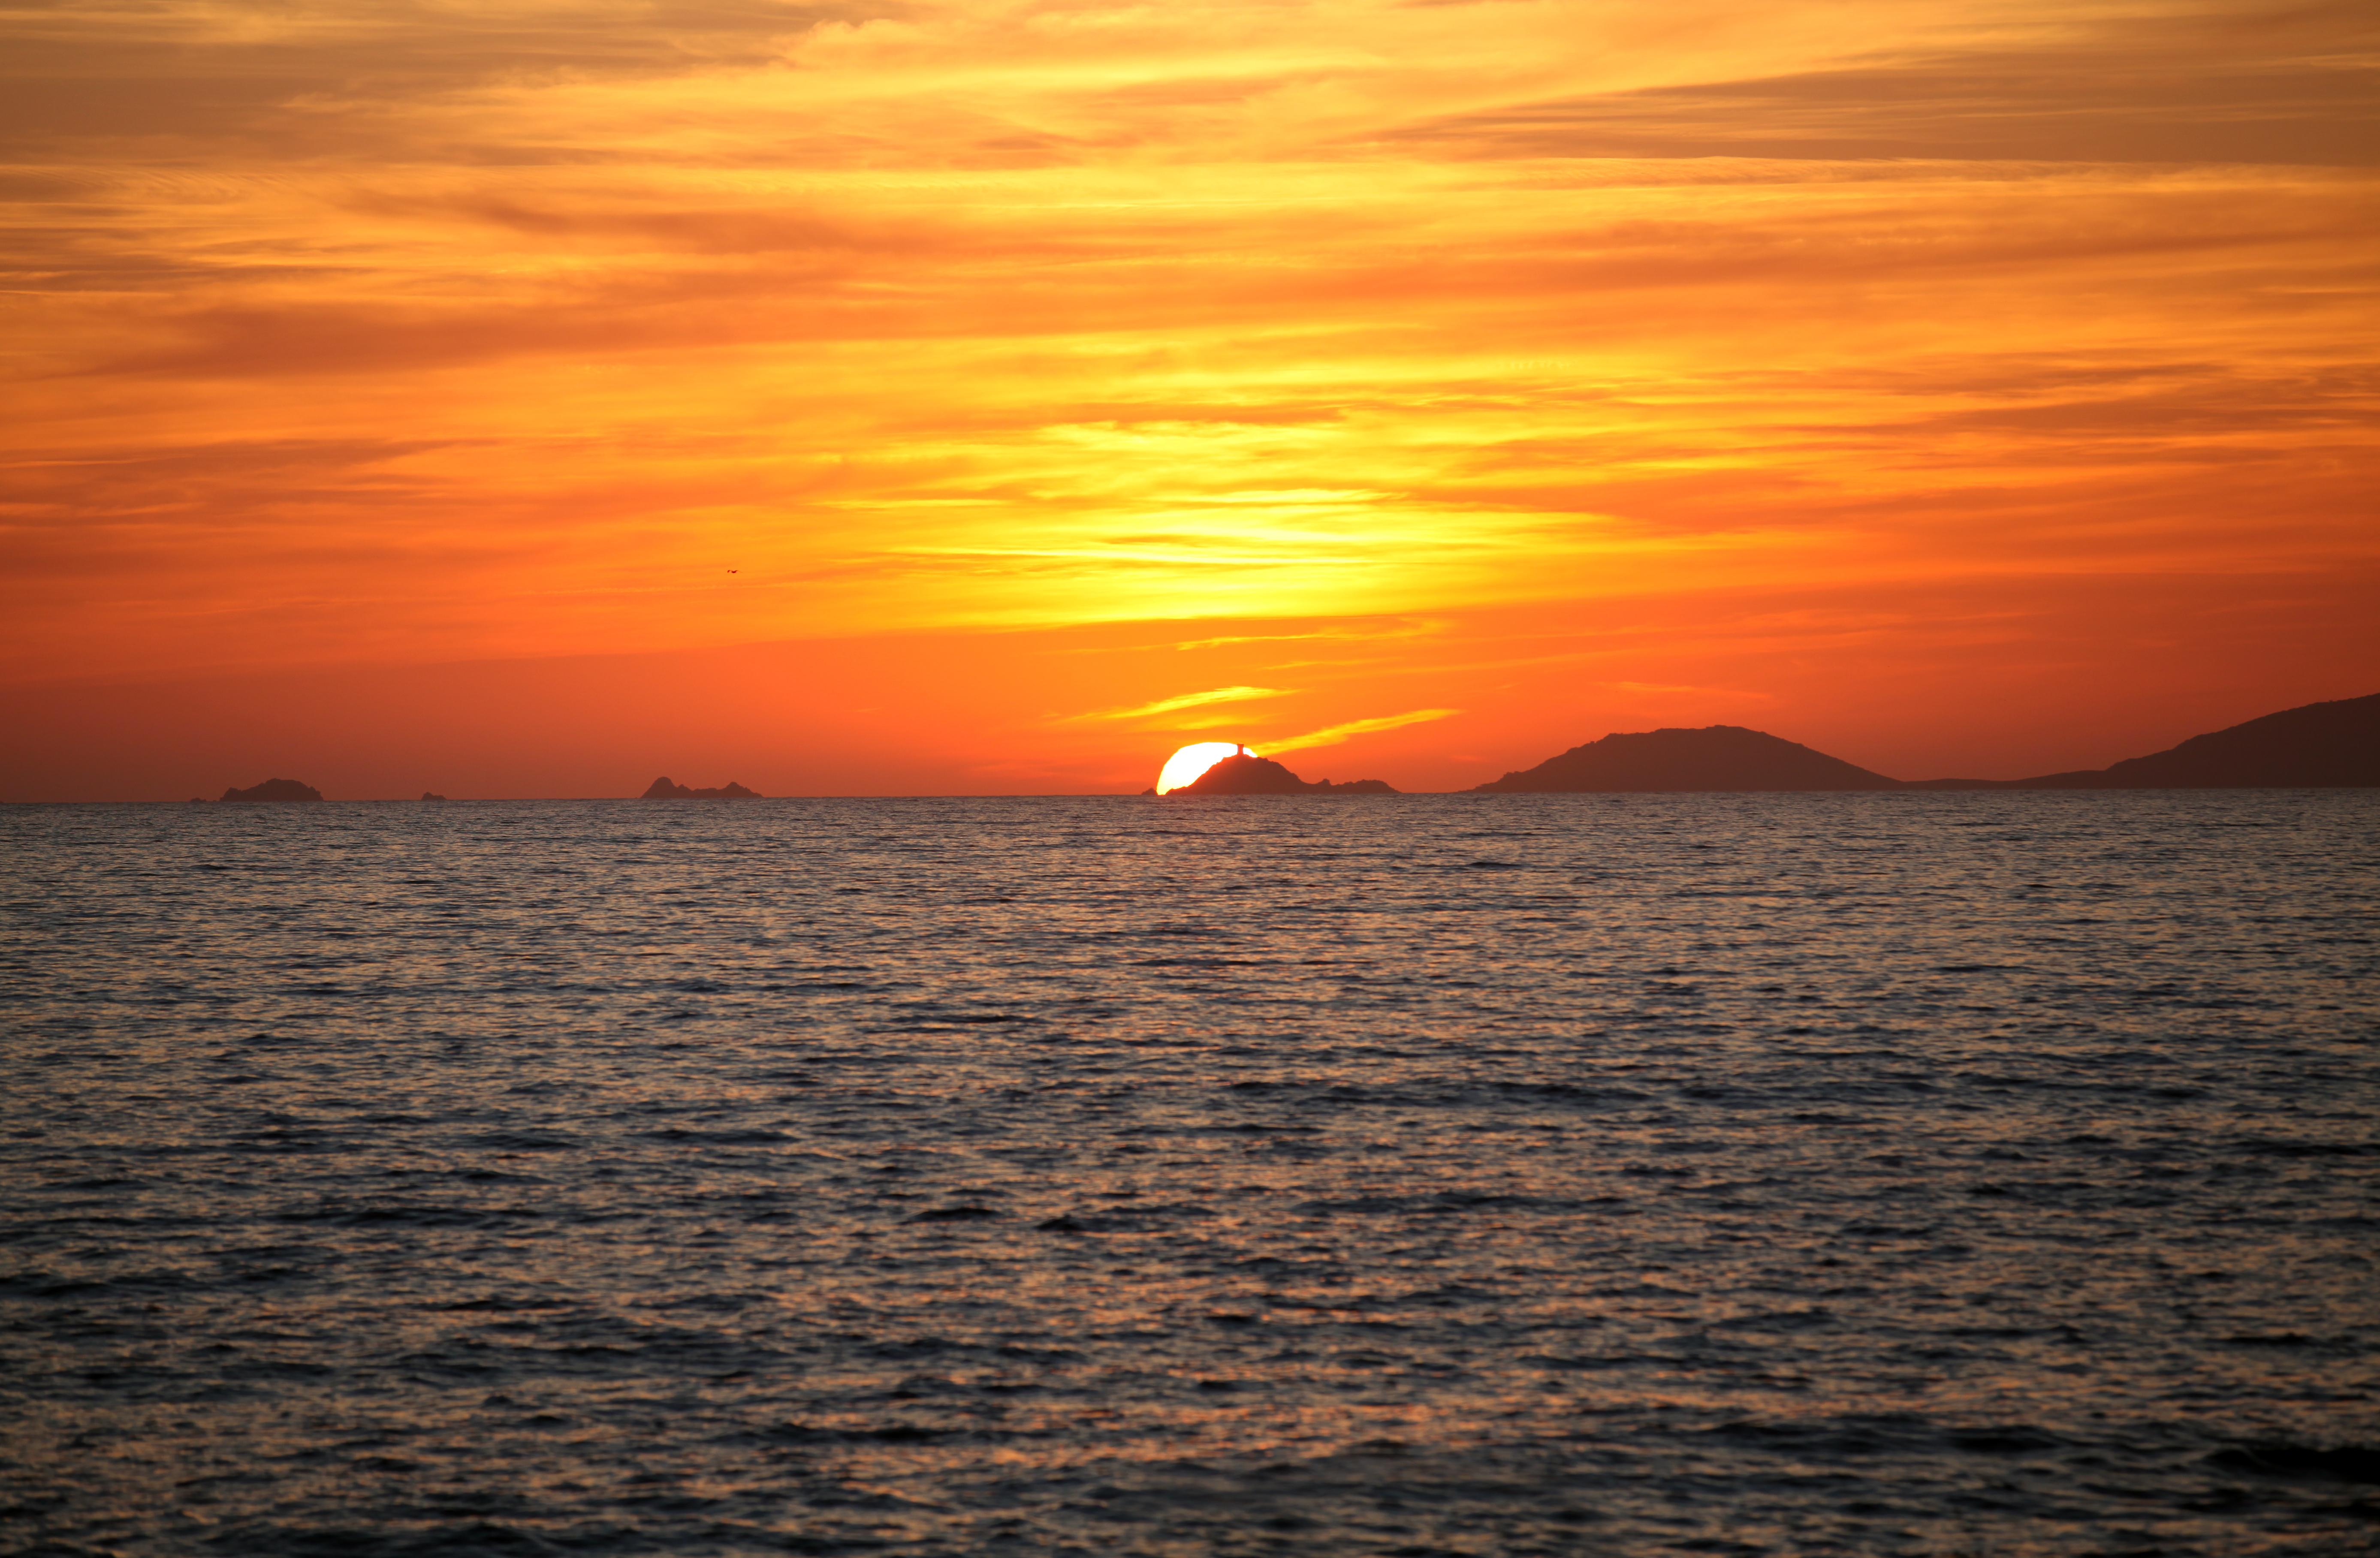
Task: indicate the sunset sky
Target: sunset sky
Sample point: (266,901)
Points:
(529,399)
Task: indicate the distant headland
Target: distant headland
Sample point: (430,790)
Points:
(662,790)
(2323,745)
(2335,744)
(2315,746)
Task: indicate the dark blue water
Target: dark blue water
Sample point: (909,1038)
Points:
(1955,1174)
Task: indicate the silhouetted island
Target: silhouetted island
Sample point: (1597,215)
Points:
(2315,746)
(2323,745)
(431,795)
(1715,758)
(274,790)
(662,790)
(1247,773)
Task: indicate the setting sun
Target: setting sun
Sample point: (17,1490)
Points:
(1185,765)
(586,586)
(512,399)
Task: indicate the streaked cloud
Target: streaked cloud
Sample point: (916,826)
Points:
(1175,705)
(1269,333)
(1334,735)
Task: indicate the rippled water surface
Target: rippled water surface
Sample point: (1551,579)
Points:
(1901,1174)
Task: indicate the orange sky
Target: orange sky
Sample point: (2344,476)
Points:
(1959,387)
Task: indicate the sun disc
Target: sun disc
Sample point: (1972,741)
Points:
(1185,765)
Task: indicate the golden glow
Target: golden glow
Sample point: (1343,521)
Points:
(1345,343)
(1185,765)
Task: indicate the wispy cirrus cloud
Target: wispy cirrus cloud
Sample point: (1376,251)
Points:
(1175,705)
(1333,735)
(924,314)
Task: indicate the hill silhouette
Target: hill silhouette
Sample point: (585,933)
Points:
(1715,758)
(662,790)
(274,790)
(2315,745)
(1246,774)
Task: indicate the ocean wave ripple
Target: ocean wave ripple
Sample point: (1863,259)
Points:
(1892,1174)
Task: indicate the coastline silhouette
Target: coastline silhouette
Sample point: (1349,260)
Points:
(2315,746)
(2320,746)
(2333,744)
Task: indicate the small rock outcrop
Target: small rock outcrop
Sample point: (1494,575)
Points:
(1715,758)
(1246,774)
(662,790)
(274,790)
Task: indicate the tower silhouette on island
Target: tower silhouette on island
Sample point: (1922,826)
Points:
(2321,746)
(1245,773)
(2316,746)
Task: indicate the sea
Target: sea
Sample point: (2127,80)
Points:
(1902,1174)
